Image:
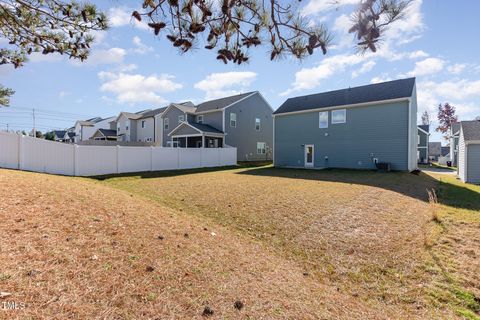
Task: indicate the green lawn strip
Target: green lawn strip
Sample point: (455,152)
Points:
(458,203)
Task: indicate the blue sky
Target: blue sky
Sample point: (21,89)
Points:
(130,69)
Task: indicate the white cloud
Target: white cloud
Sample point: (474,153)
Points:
(141,48)
(62,94)
(223,84)
(127,67)
(319,6)
(308,78)
(102,57)
(418,54)
(122,16)
(409,28)
(133,88)
(460,93)
(426,67)
(381,78)
(457,68)
(367,66)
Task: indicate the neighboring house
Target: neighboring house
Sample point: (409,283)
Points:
(126,125)
(434,150)
(453,136)
(147,125)
(423,139)
(469,152)
(85,129)
(446,151)
(242,121)
(61,136)
(349,128)
(105,135)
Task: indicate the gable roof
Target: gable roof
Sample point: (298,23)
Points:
(222,103)
(455,128)
(390,90)
(60,133)
(201,128)
(471,130)
(108,132)
(185,107)
(434,148)
(153,113)
(424,127)
(205,128)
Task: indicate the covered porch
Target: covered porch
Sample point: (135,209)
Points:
(195,135)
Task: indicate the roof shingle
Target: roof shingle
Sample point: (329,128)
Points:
(471,130)
(219,104)
(402,88)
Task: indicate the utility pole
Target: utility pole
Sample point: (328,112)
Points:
(33,116)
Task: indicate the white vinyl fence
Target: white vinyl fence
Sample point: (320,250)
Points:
(32,154)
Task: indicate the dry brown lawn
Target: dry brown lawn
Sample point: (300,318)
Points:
(288,244)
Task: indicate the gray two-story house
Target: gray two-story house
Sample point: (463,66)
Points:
(423,140)
(242,121)
(349,128)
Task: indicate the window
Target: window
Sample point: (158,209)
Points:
(126,128)
(118,128)
(257,124)
(143,123)
(233,120)
(339,116)
(181,119)
(165,124)
(323,119)
(261,147)
(200,119)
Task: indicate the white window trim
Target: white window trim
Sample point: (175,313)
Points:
(166,124)
(259,124)
(181,117)
(233,113)
(319,117)
(143,124)
(264,148)
(200,118)
(345,118)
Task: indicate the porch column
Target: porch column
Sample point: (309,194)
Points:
(203,140)
(186,142)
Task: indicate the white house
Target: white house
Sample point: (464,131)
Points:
(85,129)
(469,152)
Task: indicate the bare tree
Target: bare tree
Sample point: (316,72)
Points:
(233,26)
(426,118)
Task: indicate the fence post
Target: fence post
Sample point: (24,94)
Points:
(75,159)
(21,153)
(151,158)
(118,167)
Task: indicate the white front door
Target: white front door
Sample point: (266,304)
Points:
(309,155)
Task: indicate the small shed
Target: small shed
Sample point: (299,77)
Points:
(469,152)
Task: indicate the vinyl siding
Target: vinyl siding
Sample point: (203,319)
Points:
(148,131)
(378,131)
(213,119)
(473,163)
(244,137)
(172,114)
